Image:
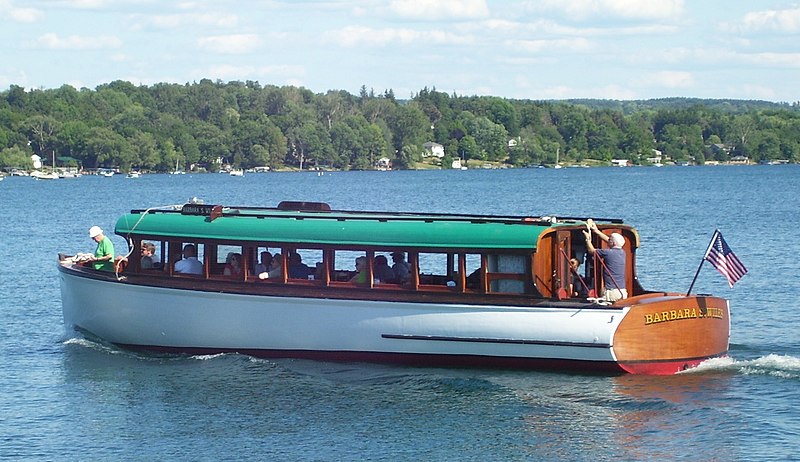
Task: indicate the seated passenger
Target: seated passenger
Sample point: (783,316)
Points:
(189,264)
(578,284)
(297,269)
(233,265)
(361,271)
(381,270)
(275,269)
(149,260)
(401,268)
(266,260)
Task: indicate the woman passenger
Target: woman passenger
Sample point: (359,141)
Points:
(233,266)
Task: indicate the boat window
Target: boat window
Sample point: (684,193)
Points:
(472,270)
(258,264)
(344,265)
(507,273)
(303,263)
(153,254)
(225,255)
(175,252)
(437,269)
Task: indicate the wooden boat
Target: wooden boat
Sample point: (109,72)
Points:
(485,291)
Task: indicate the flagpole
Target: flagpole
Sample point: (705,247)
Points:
(713,238)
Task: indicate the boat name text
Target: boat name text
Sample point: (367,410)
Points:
(687,313)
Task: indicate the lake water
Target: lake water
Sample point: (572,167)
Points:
(66,398)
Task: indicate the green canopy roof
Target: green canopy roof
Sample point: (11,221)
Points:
(340,228)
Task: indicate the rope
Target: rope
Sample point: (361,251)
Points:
(130,240)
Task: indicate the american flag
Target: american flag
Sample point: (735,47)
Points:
(724,260)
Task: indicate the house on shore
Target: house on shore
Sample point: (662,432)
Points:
(432,149)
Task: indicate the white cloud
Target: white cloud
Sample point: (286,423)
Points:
(211,19)
(622,9)
(671,79)
(86,4)
(18,14)
(577,44)
(230,44)
(353,36)
(77,42)
(231,72)
(784,60)
(756,92)
(438,10)
(776,20)
(613,92)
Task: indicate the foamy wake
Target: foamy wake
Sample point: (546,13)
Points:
(775,365)
(86,343)
(208,357)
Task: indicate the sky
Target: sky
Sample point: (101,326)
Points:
(546,49)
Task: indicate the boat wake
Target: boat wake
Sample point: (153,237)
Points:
(95,345)
(775,365)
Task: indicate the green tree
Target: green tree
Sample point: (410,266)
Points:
(15,157)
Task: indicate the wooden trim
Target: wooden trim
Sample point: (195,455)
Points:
(461,283)
(413,259)
(483,284)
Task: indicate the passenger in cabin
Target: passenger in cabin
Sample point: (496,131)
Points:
(103,258)
(149,260)
(577,287)
(266,260)
(361,271)
(296,268)
(613,261)
(275,269)
(401,268)
(233,265)
(189,264)
(382,271)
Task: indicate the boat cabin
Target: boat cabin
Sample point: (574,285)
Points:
(317,249)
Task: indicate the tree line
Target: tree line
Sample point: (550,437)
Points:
(211,124)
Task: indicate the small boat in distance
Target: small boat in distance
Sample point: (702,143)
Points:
(39,175)
(237,172)
(133,174)
(465,290)
(176,171)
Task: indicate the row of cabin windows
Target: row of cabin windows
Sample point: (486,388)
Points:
(483,273)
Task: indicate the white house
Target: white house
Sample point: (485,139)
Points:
(37,161)
(656,159)
(433,150)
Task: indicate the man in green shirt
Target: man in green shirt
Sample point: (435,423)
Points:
(104,254)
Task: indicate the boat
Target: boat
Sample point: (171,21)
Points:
(133,174)
(176,171)
(237,172)
(39,175)
(482,291)
(66,174)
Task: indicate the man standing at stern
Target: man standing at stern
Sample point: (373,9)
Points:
(613,261)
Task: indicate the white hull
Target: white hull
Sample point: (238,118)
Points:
(185,320)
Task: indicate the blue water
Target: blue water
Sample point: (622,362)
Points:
(67,398)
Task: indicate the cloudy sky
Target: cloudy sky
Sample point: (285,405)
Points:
(535,49)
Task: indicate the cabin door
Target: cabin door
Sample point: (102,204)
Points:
(561,272)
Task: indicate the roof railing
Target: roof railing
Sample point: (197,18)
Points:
(323,210)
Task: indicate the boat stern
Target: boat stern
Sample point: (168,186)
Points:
(662,335)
